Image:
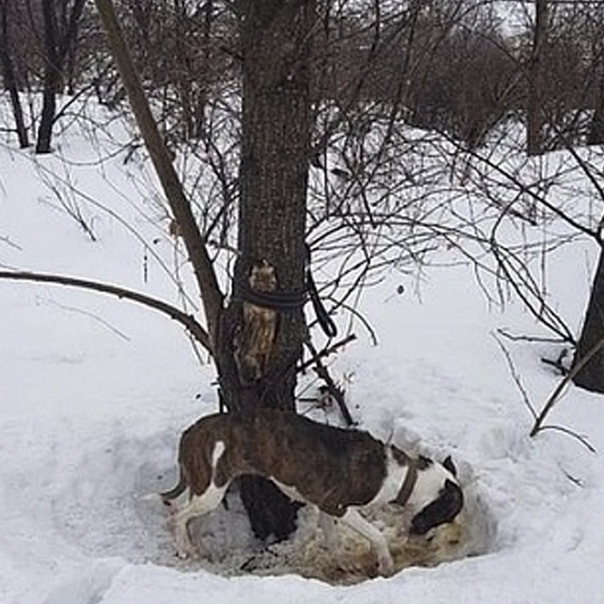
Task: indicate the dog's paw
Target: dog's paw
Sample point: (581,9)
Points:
(185,550)
(385,566)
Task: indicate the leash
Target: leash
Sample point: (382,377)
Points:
(279,301)
(291,301)
(325,321)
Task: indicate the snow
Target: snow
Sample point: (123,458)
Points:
(94,393)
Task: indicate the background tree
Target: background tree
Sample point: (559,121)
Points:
(61,20)
(9,73)
(537,65)
(591,341)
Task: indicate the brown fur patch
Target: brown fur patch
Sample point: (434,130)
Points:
(348,466)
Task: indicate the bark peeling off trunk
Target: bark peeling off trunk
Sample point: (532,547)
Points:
(255,340)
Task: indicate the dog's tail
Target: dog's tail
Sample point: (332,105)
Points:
(179,489)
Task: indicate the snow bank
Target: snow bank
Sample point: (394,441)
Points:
(94,393)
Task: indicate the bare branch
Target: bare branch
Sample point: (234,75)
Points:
(557,393)
(90,315)
(525,189)
(211,295)
(10,243)
(327,351)
(188,321)
(572,433)
(516,377)
(334,390)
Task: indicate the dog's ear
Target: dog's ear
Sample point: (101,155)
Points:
(448,463)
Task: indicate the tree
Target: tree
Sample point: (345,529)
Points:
(535,110)
(275,154)
(591,340)
(9,74)
(60,34)
(368,209)
(254,344)
(595,135)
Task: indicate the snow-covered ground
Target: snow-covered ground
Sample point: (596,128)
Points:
(95,391)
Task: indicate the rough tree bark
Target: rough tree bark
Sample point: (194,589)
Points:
(260,345)
(276,127)
(591,340)
(595,133)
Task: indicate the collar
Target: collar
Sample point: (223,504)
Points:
(408,484)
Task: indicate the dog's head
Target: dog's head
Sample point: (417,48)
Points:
(437,497)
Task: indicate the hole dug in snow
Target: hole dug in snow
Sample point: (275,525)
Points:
(106,509)
(225,538)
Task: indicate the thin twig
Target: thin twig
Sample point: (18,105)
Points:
(334,390)
(524,338)
(329,350)
(557,393)
(572,433)
(516,377)
(90,315)
(10,243)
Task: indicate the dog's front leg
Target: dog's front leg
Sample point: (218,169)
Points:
(356,522)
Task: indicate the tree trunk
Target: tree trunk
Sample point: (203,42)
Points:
(260,344)
(49,109)
(276,129)
(10,78)
(591,376)
(52,78)
(56,48)
(595,134)
(535,110)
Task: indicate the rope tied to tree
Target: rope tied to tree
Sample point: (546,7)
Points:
(284,301)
